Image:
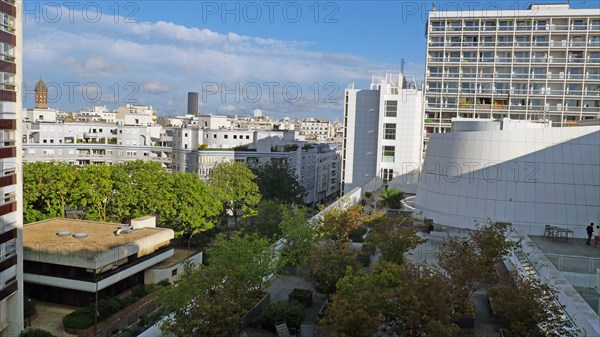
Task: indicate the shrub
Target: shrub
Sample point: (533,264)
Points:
(36,333)
(292,313)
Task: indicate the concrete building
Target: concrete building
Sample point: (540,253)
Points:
(95,143)
(316,129)
(530,177)
(69,261)
(383,136)
(11,207)
(131,114)
(534,64)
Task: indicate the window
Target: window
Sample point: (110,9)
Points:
(388,154)
(505,25)
(247,136)
(391,108)
(174,272)
(505,41)
(389,131)
(215,136)
(225,136)
(387,175)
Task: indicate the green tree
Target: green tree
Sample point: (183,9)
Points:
(392,198)
(209,301)
(393,240)
(194,205)
(92,190)
(235,185)
(272,176)
(267,220)
(357,310)
(528,308)
(298,235)
(471,262)
(408,301)
(35,190)
(328,264)
(337,223)
(140,188)
(48,189)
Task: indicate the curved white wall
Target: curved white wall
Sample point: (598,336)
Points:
(529,177)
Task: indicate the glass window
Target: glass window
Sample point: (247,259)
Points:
(388,154)
(505,25)
(387,175)
(391,108)
(504,41)
(389,131)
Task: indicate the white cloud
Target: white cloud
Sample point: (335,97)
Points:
(180,59)
(155,87)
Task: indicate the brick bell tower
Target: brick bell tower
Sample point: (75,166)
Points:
(41,95)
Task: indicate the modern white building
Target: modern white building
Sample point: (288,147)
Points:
(11,206)
(528,176)
(383,131)
(534,64)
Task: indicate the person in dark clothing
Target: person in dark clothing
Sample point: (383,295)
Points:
(590,231)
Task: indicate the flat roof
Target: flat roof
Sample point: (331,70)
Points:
(179,255)
(43,235)
(573,247)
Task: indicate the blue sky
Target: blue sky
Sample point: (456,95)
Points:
(289,58)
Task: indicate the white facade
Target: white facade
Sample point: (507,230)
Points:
(40,115)
(540,63)
(384,127)
(528,177)
(131,114)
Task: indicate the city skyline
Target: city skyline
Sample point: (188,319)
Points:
(238,56)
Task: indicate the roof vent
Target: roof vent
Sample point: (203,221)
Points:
(80,235)
(63,233)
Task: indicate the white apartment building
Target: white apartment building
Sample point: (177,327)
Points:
(320,173)
(383,136)
(96,114)
(534,64)
(316,129)
(11,182)
(131,114)
(94,143)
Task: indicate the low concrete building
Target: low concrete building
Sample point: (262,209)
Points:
(68,261)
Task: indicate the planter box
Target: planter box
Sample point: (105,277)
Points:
(364,259)
(256,311)
(304,296)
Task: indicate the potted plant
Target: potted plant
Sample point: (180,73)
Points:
(303,296)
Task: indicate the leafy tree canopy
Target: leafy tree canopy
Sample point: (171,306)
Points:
(277,181)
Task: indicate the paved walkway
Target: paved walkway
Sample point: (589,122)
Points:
(50,318)
(484,326)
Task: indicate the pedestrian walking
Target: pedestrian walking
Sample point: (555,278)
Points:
(590,232)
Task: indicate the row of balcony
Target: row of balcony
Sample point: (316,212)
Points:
(517,108)
(514,60)
(516,76)
(541,92)
(512,28)
(459,44)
